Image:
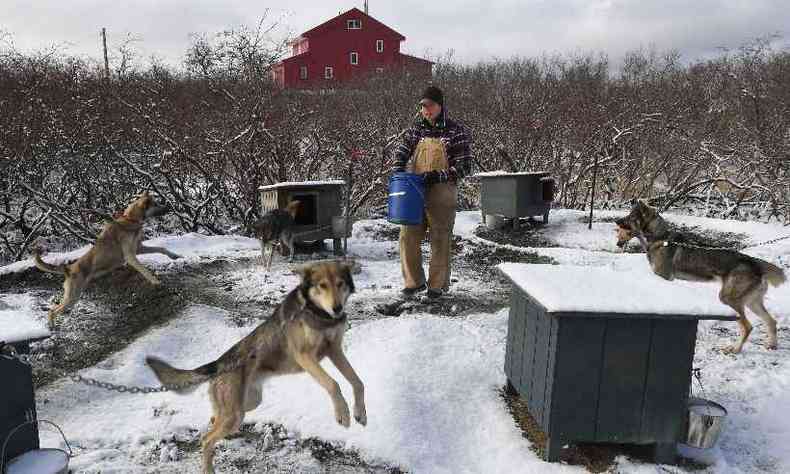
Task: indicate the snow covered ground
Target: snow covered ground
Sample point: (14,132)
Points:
(432,381)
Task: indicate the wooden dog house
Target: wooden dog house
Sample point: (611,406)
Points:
(17,398)
(516,195)
(607,364)
(321,214)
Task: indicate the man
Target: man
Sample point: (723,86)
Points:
(438,149)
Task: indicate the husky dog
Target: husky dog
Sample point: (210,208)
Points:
(306,327)
(744,279)
(276,226)
(119,243)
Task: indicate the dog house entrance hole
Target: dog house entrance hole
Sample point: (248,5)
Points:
(308,210)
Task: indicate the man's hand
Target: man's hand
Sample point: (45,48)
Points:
(434,177)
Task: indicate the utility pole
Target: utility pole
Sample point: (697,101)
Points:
(106,61)
(366,7)
(592,190)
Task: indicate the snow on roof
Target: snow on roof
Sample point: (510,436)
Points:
(297,184)
(499,173)
(20,320)
(568,288)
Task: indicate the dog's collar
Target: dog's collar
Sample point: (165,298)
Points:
(120,215)
(317,310)
(123,220)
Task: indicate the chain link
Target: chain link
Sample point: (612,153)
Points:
(768,242)
(737,249)
(9,352)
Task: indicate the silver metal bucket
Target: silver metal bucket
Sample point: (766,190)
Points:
(39,461)
(705,420)
(495,221)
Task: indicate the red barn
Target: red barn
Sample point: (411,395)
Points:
(348,46)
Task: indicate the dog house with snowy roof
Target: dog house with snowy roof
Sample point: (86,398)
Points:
(17,331)
(320,215)
(604,356)
(516,195)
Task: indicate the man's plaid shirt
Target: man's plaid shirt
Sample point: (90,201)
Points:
(457,143)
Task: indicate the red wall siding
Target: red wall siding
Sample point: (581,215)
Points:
(331,45)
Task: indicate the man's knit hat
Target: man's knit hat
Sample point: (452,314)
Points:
(433,93)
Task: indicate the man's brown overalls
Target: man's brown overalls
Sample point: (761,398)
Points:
(440,203)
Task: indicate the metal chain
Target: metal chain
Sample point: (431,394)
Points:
(738,249)
(768,242)
(317,229)
(697,372)
(7,351)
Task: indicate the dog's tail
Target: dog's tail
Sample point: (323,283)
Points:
(186,381)
(773,274)
(61,269)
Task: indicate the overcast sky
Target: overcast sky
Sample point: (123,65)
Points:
(475,30)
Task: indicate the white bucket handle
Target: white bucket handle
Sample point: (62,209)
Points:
(70,454)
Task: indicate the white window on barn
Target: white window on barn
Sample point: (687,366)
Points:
(379,46)
(328,72)
(354,56)
(379,70)
(354,24)
(303,72)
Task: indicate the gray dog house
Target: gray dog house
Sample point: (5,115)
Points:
(516,195)
(321,214)
(604,356)
(17,399)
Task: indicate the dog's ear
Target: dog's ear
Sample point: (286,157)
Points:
(620,222)
(346,269)
(647,211)
(303,271)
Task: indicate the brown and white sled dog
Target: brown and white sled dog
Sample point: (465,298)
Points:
(306,327)
(744,279)
(119,243)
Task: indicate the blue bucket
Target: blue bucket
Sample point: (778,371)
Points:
(406,199)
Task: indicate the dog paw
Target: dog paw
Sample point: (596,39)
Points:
(342,415)
(771,346)
(175,256)
(734,349)
(360,415)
